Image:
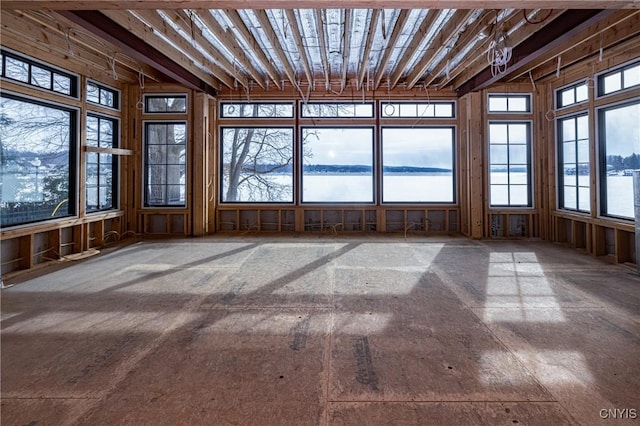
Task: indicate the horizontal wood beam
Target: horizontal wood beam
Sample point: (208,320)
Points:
(114,33)
(569,24)
(315,4)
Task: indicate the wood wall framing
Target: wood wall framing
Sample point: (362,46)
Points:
(281,52)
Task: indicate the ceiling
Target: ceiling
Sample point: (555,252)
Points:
(332,49)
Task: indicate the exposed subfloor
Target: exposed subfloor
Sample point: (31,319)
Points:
(324,330)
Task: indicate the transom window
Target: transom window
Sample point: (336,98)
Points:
(337,110)
(28,71)
(572,95)
(256,110)
(165,104)
(510,103)
(417,109)
(103,95)
(621,78)
(510,164)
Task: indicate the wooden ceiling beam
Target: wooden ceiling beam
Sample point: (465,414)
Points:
(323,49)
(254,46)
(469,68)
(297,37)
(373,25)
(346,39)
(391,44)
(136,47)
(409,51)
(450,30)
(265,23)
(568,24)
(603,35)
(230,43)
(311,4)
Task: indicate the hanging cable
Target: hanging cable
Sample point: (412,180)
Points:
(558,67)
(529,21)
(533,83)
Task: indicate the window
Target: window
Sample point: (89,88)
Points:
(571,95)
(510,103)
(417,165)
(573,159)
(257,164)
(509,162)
(101,184)
(256,110)
(337,164)
(418,110)
(37,154)
(619,79)
(165,163)
(337,110)
(102,95)
(19,68)
(619,131)
(165,104)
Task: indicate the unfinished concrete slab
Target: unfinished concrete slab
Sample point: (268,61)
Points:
(323,330)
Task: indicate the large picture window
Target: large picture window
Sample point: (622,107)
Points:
(337,165)
(417,165)
(165,164)
(37,155)
(510,164)
(573,159)
(257,164)
(619,128)
(101,187)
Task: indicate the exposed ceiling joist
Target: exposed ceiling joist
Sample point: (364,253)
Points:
(295,29)
(229,42)
(346,48)
(391,44)
(263,19)
(439,44)
(364,63)
(326,70)
(568,24)
(254,46)
(310,4)
(114,33)
(422,32)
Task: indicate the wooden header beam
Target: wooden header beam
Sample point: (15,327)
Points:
(315,4)
(542,42)
(114,33)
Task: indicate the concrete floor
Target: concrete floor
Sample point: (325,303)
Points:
(324,331)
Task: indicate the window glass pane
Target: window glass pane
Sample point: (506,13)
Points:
(584,197)
(92,131)
(408,110)
(631,76)
(498,133)
(518,195)
(337,165)
(583,151)
(499,154)
(41,77)
(518,154)
(568,130)
(518,133)
(497,103)
(106,98)
(17,69)
(567,97)
(257,164)
(518,104)
(165,183)
(106,133)
(499,195)
(621,139)
(569,200)
(36,156)
(583,127)
(390,110)
(444,110)
(582,93)
(337,110)
(569,153)
(518,175)
(612,82)
(165,104)
(61,84)
(499,174)
(569,177)
(417,165)
(93,93)
(426,110)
